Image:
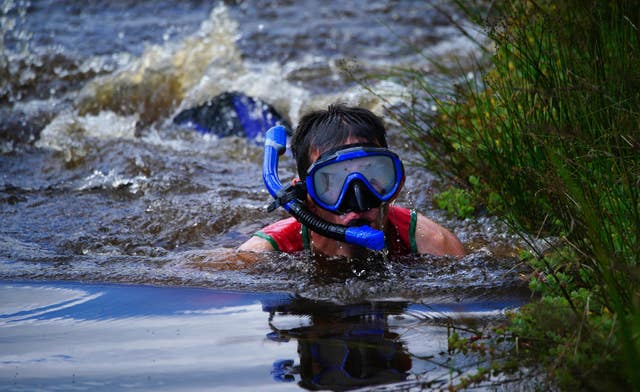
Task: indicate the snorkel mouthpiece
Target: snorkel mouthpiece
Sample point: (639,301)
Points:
(274,146)
(365,236)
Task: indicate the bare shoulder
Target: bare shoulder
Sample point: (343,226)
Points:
(431,238)
(256,244)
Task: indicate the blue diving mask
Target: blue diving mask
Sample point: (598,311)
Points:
(355,177)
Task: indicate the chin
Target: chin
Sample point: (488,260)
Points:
(351,251)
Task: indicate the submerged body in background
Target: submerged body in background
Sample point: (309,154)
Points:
(232,114)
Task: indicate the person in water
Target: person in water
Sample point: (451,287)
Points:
(354,178)
(231,113)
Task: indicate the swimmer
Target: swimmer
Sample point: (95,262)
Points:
(349,178)
(231,113)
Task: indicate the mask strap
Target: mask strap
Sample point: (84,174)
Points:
(345,147)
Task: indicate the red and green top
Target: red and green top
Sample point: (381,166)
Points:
(289,236)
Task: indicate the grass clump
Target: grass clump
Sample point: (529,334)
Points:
(457,202)
(550,134)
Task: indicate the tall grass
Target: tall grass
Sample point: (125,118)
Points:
(549,138)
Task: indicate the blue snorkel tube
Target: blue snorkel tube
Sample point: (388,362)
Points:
(275,145)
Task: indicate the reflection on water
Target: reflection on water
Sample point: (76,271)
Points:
(341,347)
(133,337)
(60,336)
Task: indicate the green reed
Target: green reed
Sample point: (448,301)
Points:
(547,134)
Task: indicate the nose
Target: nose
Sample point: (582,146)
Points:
(358,198)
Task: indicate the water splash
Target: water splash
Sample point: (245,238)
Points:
(113,180)
(14,48)
(153,84)
(73,134)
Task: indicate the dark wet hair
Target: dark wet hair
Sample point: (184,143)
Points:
(328,129)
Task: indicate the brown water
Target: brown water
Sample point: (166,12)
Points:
(97,185)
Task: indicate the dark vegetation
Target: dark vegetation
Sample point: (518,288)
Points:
(545,132)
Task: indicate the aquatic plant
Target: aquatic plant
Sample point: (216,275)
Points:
(545,132)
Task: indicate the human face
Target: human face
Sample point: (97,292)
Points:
(374,217)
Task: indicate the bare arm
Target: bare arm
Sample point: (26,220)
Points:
(431,238)
(256,244)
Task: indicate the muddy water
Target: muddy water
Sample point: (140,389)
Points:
(97,185)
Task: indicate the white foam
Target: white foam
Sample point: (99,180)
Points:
(69,130)
(113,180)
(208,53)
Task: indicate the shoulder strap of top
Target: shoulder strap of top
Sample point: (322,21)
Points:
(305,238)
(403,230)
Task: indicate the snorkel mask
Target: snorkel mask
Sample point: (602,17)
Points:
(330,182)
(355,177)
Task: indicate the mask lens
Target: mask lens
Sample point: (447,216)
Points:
(378,171)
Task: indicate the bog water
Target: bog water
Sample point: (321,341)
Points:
(118,229)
